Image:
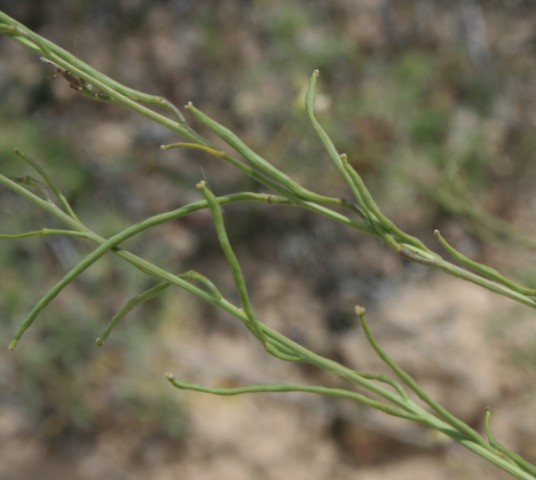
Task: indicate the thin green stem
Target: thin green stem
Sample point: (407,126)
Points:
(521,462)
(332,152)
(373,208)
(270,183)
(44,175)
(46,205)
(116,91)
(47,232)
(111,244)
(232,260)
(484,270)
(258,176)
(257,161)
(192,275)
(408,380)
(128,307)
(377,220)
(491,285)
(279,388)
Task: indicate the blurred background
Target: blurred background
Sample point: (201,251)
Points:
(433,103)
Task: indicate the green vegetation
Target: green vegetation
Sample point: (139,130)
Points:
(399,395)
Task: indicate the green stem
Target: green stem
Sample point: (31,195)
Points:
(484,270)
(257,161)
(378,221)
(408,380)
(47,232)
(44,175)
(128,307)
(279,388)
(529,468)
(232,260)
